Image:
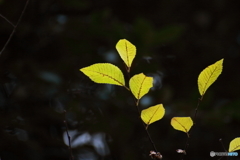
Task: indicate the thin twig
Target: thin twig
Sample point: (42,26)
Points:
(194,123)
(15,27)
(139,114)
(220,158)
(220,140)
(7,20)
(196,110)
(69,139)
(148,134)
(150,138)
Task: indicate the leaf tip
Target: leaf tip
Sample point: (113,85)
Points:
(127,52)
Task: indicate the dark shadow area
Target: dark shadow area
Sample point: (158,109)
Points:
(175,40)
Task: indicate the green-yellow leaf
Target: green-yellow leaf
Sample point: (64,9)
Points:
(140,85)
(208,76)
(152,114)
(182,124)
(104,73)
(234,145)
(127,51)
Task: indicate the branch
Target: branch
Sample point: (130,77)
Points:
(69,138)
(7,20)
(194,123)
(14,26)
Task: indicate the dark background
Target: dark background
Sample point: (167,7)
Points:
(175,40)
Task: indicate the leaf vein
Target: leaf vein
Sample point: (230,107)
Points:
(153,115)
(181,125)
(108,77)
(141,87)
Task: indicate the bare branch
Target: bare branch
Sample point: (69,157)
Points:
(69,138)
(15,26)
(7,20)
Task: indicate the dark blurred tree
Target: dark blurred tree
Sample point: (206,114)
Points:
(175,40)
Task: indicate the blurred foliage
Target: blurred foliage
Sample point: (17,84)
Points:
(175,40)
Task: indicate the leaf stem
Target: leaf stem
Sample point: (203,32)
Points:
(196,110)
(126,88)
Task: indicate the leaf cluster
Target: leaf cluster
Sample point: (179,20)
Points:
(140,84)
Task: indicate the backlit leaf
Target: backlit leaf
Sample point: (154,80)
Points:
(127,51)
(234,145)
(104,73)
(140,85)
(182,123)
(208,76)
(152,114)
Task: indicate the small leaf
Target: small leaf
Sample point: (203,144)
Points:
(140,85)
(152,114)
(208,76)
(104,73)
(182,123)
(127,51)
(234,145)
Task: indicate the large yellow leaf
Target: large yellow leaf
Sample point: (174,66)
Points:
(234,145)
(152,114)
(104,73)
(127,51)
(140,85)
(208,76)
(182,123)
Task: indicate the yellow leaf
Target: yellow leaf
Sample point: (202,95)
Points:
(140,85)
(182,123)
(104,73)
(208,76)
(127,51)
(234,145)
(152,114)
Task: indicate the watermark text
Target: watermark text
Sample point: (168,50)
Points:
(212,154)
